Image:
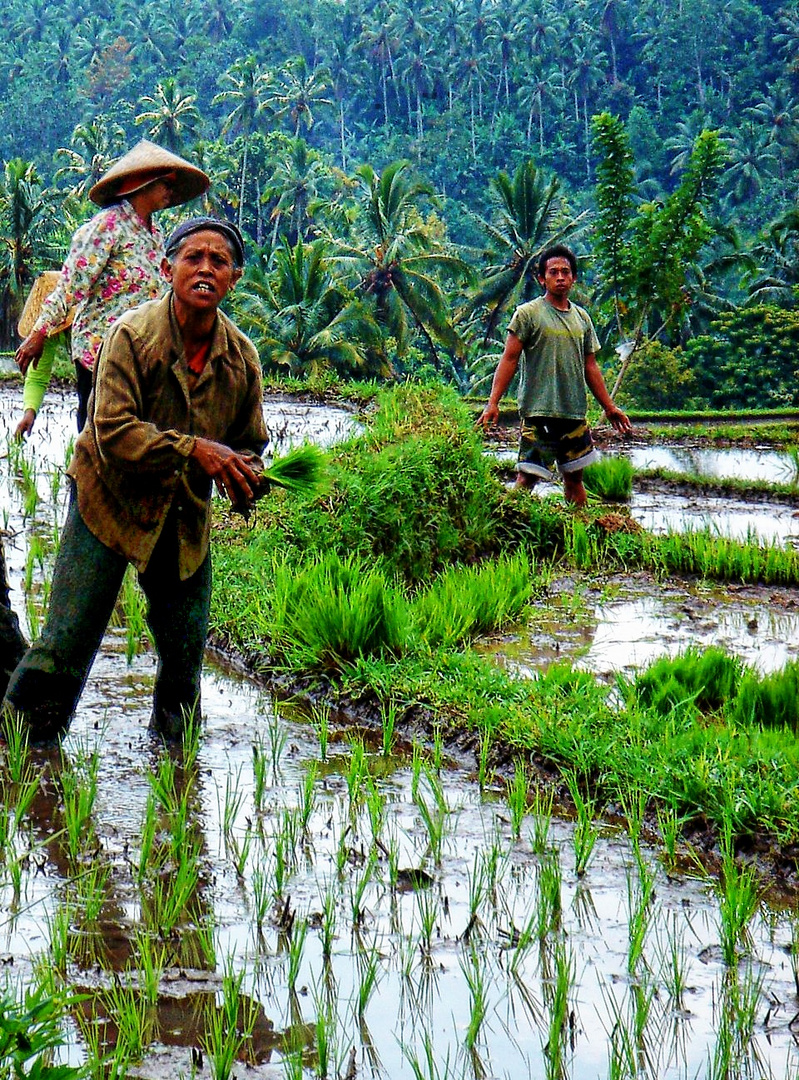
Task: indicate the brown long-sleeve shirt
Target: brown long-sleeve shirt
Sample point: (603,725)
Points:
(131,463)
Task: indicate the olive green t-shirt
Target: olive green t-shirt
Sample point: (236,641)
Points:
(552,369)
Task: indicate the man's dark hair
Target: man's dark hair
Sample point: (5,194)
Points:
(557,251)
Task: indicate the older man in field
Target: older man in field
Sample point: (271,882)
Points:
(176,407)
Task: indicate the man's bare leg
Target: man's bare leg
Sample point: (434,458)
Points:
(525,480)
(574,489)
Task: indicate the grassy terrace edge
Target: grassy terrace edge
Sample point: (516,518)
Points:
(330,599)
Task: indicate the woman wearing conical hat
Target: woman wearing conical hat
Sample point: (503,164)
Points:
(114,260)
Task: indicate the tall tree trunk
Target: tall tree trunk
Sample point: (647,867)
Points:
(587,140)
(242,183)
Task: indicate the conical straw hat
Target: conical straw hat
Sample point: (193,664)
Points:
(41,289)
(143,164)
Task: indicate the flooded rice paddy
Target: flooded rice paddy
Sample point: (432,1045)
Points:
(662,511)
(775,466)
(347,914)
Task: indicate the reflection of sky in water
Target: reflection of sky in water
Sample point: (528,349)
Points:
(729,462)
(663,511)
(636,632)
(768,465)
(630,633)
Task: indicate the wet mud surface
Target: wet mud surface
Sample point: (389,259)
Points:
(392,903)
(625,621)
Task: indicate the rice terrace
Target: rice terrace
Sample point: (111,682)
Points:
(484,787)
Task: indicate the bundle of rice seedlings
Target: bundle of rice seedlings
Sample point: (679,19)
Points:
(302,470)
(611,478)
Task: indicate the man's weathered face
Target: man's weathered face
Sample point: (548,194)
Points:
(558,277)
(202,272)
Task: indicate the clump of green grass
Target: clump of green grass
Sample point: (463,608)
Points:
(722,558)
(468,600)
(611,478)
(771,701)
(334,609)
(704,678)
(302,470)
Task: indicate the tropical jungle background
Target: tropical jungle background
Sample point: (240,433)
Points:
(396,168)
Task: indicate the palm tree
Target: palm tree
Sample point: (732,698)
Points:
(214,19)
(473,68)
(245,97)
(376,39)
(394,257)
(338,62)
(299,92)
(538,24)
(751,160)
(295,184)
(772,273)
(542,87)
(301,319)
(60,54)
(529,213)
(416,69)
(172,116)
(91,38)
(682,144)
(145,31)
(779,113)
(93,148)
(23,223)
(585,78)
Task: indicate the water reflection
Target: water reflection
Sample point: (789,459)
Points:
(662,511)
(608,636)
(774,466)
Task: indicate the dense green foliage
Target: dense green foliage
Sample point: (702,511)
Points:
(750,355)
(397,168)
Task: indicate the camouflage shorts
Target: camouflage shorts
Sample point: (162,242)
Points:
(546,441)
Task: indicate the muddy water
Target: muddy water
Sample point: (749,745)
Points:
(443,948)
(632,620)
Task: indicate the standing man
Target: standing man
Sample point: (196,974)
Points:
(176,406)
(557,345)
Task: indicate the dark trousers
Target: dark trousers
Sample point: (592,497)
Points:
(12,643)
(47,683)
(84,378)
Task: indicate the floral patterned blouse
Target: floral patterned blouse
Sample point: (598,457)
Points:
(114,263)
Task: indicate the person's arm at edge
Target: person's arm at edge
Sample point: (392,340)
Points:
(596,384)
(503,376)
(37,379)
